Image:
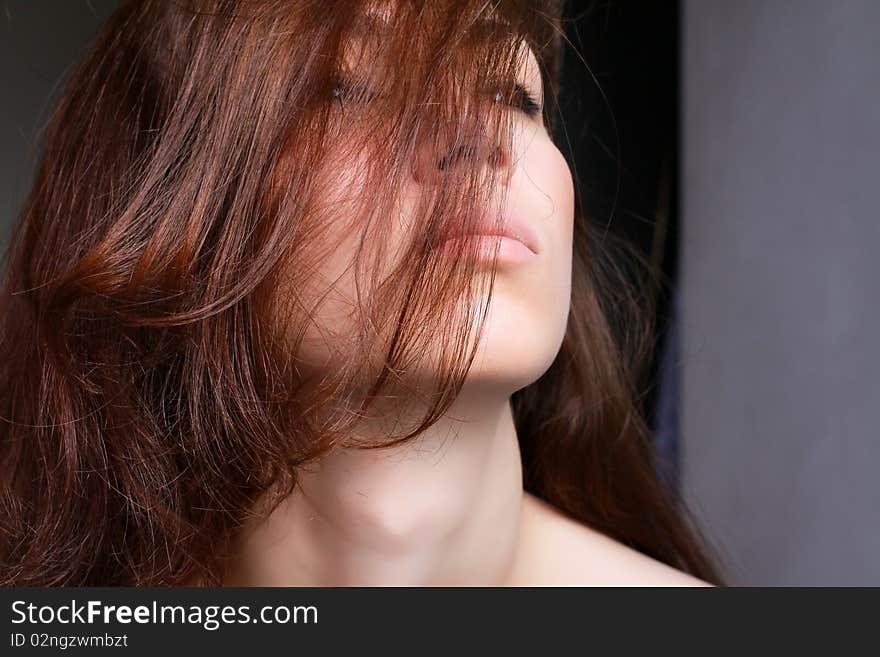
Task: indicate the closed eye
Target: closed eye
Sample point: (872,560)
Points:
(346,91)
(520,99)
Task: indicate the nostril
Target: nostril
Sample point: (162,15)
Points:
(497,158)
(450,158)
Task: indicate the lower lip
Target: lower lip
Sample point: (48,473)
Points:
(509,249)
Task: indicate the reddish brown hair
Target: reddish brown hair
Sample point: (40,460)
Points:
(149,399)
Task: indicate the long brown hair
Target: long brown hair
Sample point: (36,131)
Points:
(149,397)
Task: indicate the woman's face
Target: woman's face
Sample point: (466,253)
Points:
(527,317)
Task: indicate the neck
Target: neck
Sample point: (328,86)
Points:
(443,508)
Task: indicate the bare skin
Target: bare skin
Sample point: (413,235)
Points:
(558,551)
(449,510)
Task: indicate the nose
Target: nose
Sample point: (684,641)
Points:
(452,152)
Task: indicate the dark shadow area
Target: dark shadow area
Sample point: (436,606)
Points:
(620,107)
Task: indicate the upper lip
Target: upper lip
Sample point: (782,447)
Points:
(512,226)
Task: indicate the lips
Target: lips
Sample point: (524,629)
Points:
(512,227)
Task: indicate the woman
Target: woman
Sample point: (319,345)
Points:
(299,297)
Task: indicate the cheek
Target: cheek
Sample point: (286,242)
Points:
(547,171)
(320,294)
(545,190)
(328,315)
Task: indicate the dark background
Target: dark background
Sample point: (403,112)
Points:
(620,108)
(620,105)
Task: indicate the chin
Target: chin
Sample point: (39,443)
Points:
(521,338)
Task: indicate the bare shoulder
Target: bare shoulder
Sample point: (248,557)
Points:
(558,551)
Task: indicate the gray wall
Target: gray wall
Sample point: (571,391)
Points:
(39,41)
(781,258)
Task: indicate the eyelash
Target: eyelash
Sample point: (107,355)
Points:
(520,99)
